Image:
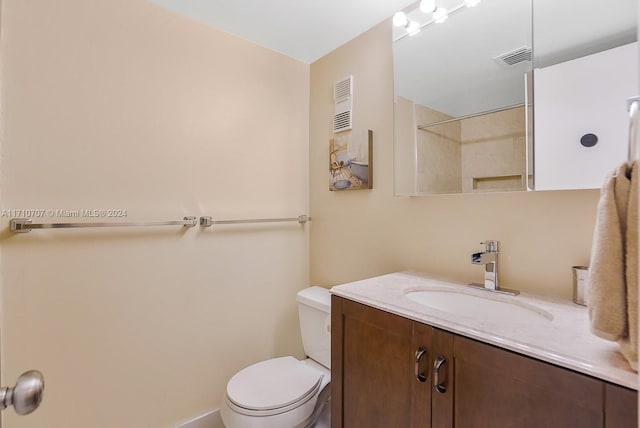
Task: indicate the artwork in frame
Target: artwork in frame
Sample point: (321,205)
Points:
(350,161)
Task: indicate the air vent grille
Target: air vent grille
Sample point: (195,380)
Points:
(342,89)
(515,56)
(343,104)
(342,121)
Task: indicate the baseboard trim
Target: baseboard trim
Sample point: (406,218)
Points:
(210,419)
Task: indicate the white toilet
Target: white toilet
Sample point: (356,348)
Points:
(282,392)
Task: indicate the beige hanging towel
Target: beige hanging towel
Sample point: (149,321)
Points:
(613,270)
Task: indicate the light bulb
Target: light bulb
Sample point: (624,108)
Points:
(471,3)
(413,28)
(427,6)
(400,19)
(440,15)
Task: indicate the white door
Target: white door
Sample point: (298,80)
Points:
(27,393)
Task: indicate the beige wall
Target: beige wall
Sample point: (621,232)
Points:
(365,233)
(121,104)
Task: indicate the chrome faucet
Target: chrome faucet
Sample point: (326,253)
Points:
(489,258)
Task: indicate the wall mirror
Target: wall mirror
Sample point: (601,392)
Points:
(464,88)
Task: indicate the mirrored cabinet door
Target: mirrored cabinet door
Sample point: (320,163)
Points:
(460,99)
(467,88)
(586,68)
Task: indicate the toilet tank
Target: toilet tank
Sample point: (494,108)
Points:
(314,309)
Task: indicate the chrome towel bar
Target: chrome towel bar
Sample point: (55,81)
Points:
(24,225)
(208,221)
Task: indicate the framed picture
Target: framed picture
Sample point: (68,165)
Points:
(350,157)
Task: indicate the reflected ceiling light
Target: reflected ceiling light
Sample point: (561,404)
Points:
(400,19)
(433,14)
(440,15)
(428,6)
(413,28)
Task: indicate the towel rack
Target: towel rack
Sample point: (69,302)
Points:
(24,225)
(208,221)
(633,105)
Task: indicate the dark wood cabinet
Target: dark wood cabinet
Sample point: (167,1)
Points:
(376,383)
(620,407)
(389,371)
(501,388)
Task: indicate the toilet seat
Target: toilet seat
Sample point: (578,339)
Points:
(273,387)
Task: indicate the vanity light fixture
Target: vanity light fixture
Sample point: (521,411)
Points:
(440,15)
(427,6)
(413,28)
(400,19)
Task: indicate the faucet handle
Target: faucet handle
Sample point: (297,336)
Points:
(492,246)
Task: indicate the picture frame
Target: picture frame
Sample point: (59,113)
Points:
(350,161)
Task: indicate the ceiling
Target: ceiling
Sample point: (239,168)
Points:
(452,62)
(303,29)
(309,29)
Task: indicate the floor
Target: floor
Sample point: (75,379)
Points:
(325,418)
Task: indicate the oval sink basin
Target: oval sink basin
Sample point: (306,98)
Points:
(487,309)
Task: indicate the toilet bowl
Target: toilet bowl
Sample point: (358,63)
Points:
(283,392)
(277,393)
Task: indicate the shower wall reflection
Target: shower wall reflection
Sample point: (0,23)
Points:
(479,154)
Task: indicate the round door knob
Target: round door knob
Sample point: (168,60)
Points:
(26,395)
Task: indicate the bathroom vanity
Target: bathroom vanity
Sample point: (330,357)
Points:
(413,351)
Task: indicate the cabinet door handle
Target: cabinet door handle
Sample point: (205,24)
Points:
(420,377)
(438,363)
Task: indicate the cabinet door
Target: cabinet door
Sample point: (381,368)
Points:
(621,407)
(372,381)
(584,96)
(498,388)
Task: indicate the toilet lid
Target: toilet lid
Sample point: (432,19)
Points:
(272,384)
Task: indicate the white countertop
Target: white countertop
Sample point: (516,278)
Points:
(564,341)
